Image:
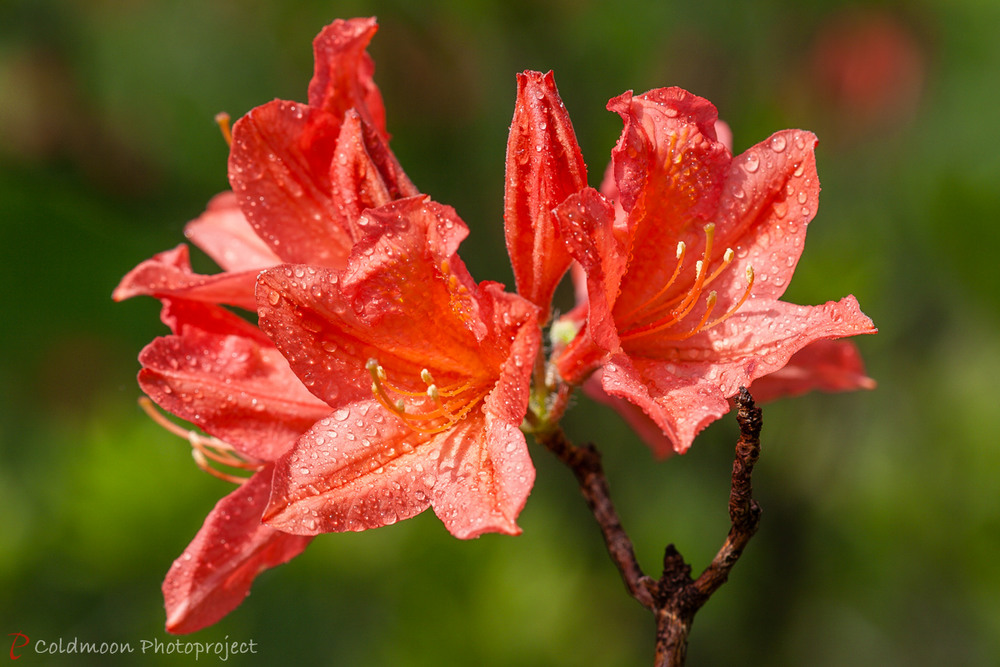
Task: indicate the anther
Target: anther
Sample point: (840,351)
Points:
(739,304)
(222,120)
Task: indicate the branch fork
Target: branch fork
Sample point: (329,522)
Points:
(675,597)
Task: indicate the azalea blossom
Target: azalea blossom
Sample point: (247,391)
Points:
(429,373)
(381,379)
(223,374)
(686,264)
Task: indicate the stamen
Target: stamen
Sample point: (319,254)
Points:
(739,304)
(204,448)
(709,306)
(222,120)
(668,314)
(432,407)
(681,250)
(727,259)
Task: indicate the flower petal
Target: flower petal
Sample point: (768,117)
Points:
(235,387)
(771,194)
(223,232)
(279,167)
(169,274)
(680,405)
(214,574)
(358,468)
(342,76)
(544,166)
(402,277)
(363,467)
(587,221)
(695,376)
(647,429)
(761,338)
(825,365)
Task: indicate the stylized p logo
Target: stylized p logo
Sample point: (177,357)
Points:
(18,637)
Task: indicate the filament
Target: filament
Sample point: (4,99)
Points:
(205,448)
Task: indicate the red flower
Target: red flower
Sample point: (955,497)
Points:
(429,374)
(301,175)
(684,278)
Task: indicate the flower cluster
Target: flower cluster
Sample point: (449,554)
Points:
(381,379)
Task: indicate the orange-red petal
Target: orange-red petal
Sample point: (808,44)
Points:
(342,74)
(168,275)
(235,387)
(544,166)
(215,572)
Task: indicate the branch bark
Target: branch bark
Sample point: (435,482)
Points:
(675,597)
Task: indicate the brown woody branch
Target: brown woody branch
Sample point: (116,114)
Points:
(675,597)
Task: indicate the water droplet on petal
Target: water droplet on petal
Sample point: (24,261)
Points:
(778,143)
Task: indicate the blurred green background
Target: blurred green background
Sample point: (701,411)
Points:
(881,531)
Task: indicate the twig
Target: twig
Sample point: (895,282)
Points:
(675,598)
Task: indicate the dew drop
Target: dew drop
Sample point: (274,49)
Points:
(752,162)
(778,144)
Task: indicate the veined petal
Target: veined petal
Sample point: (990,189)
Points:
(405,299)
(214,574)
(169,275)
(358,468)
(342,76)
(586,221)
(279,167)
(680,405)
(544,166)
(761,338)
(235,388)
(223,232)
(647,429)
(183,315)
(363,468)
(771,194)
(696,376)
(824,365)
